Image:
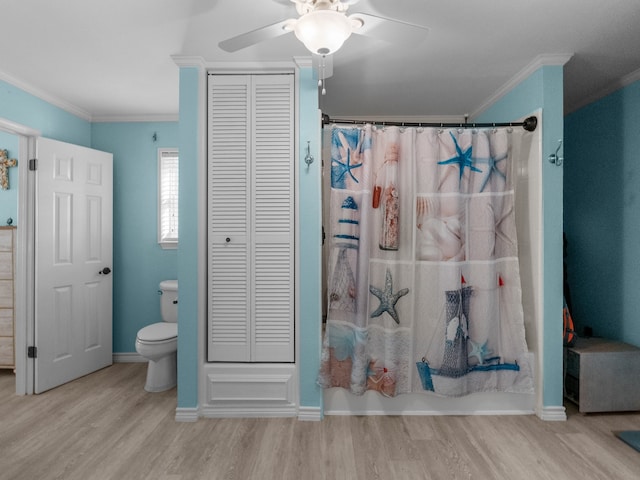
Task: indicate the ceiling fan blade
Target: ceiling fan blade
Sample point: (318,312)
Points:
(389,29)
(245,40)
(322,65)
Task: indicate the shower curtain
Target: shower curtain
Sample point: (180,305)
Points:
(423,277)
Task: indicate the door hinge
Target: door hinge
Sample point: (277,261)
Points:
(32,352)
(33,164)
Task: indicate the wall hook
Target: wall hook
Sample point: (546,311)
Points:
(554,158)
(308,159)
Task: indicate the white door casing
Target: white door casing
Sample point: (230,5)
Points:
(73,282)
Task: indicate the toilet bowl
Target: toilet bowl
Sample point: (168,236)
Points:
(158,342)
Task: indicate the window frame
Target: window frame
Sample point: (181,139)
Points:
(165,241)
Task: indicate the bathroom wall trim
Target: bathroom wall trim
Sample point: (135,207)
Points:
(552,414)
(310,414)
(128,357)
(247,412)
(46,96)
(187,414)
(549,59)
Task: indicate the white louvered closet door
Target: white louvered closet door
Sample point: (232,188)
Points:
(251,233)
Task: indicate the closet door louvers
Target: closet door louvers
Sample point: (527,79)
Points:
(228,191)
(273,218)
(251,195)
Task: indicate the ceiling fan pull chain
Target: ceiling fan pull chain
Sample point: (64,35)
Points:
(321,72)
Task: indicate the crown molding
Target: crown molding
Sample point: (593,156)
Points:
(544,60)
(250,67)
(608,90)
(303,62)
(189,61)
(170,117)
(47,97)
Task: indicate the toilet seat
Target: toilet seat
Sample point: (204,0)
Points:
(158,332)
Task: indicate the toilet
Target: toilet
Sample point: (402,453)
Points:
(158,342)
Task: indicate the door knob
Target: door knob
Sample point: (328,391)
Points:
(105,271)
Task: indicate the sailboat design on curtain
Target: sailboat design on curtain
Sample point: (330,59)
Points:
(343,283)
(424,283)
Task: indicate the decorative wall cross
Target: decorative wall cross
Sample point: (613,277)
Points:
(5,163)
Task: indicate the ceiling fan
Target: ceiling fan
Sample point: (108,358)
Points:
(323,26)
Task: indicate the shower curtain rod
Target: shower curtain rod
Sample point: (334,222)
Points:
(529,123)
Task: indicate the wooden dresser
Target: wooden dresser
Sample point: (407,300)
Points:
(7,272)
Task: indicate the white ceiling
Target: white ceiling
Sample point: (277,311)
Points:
(108,59)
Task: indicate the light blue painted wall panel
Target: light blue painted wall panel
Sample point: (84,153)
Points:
(52,122)
(310,241)
(139,263)
(602,200)
(189,138)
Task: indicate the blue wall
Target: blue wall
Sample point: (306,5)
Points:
(544,89)
(191,129)
(139,263)
(9,198)
(52,122)
(309,242)
(602,223)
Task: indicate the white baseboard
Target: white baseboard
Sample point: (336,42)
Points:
(186,414)
(310,414)
(128,357)
(247,411)
(552,414)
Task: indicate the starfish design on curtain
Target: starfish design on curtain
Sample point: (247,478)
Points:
(463,159)
(346,167)
(480,351)
(349,144)
(492,163)
(387,298)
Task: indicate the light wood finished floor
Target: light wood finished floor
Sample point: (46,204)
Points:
(105,426)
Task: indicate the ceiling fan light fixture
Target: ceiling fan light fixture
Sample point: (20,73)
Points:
(323,31)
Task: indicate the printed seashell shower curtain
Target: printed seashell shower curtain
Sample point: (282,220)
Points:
(423,280)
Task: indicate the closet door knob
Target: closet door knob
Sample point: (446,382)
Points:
(105,271)
(228,239)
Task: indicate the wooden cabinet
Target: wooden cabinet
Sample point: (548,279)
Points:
(7,273)
(602,375)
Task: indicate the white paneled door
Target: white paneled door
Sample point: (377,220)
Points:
(73,279)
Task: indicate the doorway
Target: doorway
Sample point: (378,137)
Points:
(28,362)
(25,138)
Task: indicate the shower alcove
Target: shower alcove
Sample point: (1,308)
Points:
(528,215)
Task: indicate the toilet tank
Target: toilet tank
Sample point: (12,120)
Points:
(169,300)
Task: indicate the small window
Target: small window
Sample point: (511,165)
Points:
(168,197)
